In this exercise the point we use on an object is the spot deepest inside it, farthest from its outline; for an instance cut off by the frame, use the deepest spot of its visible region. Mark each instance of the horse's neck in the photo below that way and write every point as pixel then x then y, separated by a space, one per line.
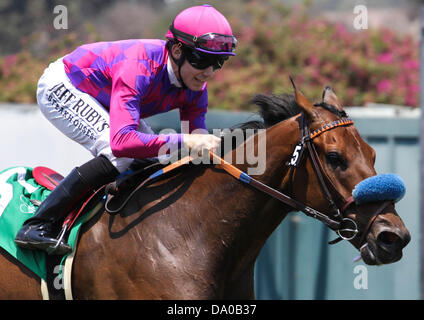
pixel 204 213
pixel 279 141
pixel 254 214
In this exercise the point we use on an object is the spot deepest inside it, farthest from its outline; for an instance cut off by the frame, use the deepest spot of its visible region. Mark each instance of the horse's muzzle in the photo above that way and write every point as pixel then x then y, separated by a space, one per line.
pixel 384 246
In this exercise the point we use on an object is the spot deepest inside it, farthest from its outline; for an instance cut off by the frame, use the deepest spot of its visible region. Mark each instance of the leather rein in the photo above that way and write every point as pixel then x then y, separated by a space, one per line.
pixel 346 228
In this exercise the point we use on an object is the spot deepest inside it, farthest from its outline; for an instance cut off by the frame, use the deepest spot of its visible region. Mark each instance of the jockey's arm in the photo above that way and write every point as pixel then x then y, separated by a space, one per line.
pixel 126 141
pixel 193 126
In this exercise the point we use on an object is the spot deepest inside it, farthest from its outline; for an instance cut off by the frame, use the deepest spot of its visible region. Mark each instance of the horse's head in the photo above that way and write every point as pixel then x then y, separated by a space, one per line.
pixel 365 199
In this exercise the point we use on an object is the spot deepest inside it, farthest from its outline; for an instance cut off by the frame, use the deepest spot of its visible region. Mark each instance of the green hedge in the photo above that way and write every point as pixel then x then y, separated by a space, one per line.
pixel 274 42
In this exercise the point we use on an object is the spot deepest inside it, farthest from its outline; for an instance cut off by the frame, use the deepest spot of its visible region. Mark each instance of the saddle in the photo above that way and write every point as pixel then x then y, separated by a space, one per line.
pixel 87 208
pixel 139 169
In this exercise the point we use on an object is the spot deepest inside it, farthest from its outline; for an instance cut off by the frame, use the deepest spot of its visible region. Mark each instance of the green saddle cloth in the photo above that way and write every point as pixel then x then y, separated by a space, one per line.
pixel 17 188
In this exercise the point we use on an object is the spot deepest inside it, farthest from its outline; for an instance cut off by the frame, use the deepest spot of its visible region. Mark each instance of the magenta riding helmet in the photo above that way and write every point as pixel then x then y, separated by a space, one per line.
pixel 204 29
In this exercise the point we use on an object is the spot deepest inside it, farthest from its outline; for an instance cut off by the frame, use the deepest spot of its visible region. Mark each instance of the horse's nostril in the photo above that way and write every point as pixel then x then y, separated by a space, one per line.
pixel 388 238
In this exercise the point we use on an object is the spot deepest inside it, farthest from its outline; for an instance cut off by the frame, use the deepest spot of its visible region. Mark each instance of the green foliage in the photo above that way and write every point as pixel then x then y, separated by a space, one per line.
pixel 20 72
pixel 274 42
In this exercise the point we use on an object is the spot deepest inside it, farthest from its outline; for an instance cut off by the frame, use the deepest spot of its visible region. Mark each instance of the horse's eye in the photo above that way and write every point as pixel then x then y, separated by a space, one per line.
pixel 335 160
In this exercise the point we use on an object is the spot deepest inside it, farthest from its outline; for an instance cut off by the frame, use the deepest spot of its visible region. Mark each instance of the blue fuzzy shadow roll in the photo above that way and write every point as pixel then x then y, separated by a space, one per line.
pixel 379 188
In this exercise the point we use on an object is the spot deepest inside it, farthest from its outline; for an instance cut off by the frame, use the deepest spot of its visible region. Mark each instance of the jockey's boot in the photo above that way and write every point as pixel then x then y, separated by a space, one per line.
pixel 39 231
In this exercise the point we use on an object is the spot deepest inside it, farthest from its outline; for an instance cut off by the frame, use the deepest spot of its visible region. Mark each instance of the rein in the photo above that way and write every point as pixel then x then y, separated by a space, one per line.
pixel 339 223
pixel 239 175
pixel 338 204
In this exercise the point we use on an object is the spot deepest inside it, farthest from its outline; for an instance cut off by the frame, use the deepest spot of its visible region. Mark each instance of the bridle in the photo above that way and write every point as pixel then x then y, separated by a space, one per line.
pixel 338 204
pixel 346 228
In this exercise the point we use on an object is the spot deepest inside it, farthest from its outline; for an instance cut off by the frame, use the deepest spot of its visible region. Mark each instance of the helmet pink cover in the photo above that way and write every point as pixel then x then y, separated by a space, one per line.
pixel 200 20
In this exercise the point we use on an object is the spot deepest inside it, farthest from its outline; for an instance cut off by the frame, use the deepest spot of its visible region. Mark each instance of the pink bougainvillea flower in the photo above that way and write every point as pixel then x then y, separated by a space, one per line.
pixel 385 58
pixel 384 86
pixel 411 64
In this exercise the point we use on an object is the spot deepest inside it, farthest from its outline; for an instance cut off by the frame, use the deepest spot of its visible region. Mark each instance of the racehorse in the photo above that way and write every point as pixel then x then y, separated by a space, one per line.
pixel 196 233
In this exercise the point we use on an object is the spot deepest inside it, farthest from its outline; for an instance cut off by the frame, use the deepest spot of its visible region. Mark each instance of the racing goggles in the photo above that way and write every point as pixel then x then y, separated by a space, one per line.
pixel 213 43
pixel 202 61
pixel 216 42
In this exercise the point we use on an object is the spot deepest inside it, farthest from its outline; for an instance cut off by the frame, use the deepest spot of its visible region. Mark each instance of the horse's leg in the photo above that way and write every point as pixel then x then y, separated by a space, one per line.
pixel 17 281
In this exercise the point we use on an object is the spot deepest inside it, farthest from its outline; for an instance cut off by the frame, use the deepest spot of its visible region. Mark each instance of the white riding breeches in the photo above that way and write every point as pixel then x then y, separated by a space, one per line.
pixel 78 115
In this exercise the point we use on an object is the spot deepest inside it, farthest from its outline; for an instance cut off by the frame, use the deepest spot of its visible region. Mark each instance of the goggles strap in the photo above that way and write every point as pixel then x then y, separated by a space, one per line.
pixel 181 78
pixel 193 40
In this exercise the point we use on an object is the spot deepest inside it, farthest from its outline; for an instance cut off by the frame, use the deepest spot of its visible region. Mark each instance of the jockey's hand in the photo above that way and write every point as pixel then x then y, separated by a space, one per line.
pixel 200 142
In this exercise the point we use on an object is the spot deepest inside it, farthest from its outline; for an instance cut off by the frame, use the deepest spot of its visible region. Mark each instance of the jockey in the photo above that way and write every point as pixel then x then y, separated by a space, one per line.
pixel 99 94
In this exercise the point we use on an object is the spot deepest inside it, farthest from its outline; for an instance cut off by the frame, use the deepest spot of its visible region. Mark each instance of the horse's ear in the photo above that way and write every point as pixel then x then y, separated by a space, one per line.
pixel 328 96
pixel 304 103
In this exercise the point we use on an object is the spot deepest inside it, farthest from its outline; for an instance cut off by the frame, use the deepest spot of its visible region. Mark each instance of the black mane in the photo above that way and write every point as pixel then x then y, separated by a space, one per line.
pixel 272 109
pixel 276 108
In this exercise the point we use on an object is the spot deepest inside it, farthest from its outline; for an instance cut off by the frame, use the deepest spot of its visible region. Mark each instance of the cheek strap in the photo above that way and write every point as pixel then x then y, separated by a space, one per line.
pixel 381 187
